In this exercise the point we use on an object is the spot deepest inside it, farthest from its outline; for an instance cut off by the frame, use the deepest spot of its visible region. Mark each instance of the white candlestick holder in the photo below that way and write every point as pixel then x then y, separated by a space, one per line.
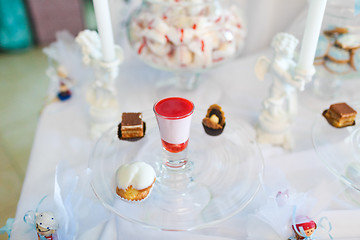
pixel 102 94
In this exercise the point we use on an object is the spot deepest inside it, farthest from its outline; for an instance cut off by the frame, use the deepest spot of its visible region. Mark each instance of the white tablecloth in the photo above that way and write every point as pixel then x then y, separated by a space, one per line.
pixel 63 136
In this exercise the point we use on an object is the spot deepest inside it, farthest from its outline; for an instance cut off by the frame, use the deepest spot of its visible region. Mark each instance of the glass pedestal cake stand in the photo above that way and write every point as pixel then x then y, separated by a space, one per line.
pixel 339 148
pixel 224 176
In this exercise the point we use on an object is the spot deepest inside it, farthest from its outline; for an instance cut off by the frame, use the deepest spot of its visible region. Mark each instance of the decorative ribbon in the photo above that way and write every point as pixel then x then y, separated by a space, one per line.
pixel 357 7
pixel 30 217
pixel 8 227
pixel 328 230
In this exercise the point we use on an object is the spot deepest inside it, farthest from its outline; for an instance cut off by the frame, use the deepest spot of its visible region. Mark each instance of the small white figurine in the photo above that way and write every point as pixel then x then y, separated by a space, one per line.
pixel 102 95
pixel 281 105
pixel 46 226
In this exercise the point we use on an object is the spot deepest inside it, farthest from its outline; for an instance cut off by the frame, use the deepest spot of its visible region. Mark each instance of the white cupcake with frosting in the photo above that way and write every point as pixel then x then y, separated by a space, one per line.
pixel 134 181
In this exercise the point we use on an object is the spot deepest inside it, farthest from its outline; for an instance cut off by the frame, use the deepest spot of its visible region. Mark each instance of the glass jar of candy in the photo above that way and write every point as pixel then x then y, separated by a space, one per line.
pixel 338 52
pixel 186 36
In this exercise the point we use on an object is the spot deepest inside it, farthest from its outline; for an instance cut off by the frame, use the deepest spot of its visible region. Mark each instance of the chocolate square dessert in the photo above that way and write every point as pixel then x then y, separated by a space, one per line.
pixel 340 115
pixel 131 126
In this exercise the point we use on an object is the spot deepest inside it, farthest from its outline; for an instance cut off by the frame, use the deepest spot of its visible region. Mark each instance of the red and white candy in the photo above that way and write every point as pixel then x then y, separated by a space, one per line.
pixel 187 36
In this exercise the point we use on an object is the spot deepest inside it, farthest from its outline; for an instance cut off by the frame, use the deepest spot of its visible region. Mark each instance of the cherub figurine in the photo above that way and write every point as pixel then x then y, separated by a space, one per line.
pixel 304 230
pixel 281 105
pixel 46 226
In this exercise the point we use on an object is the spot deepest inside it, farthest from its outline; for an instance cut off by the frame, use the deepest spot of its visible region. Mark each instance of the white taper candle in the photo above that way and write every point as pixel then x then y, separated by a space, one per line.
pixel 311 35
pixel 103 20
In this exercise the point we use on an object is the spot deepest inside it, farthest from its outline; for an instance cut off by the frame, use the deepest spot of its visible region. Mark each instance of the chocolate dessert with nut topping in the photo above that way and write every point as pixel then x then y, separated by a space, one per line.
pixel 214 122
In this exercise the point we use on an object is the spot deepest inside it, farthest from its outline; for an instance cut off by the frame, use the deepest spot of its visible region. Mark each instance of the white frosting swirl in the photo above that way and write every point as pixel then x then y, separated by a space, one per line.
pixel 138 174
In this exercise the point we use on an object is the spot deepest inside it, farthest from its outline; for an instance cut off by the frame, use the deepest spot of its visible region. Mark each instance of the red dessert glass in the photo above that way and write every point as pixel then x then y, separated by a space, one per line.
pixel 173 115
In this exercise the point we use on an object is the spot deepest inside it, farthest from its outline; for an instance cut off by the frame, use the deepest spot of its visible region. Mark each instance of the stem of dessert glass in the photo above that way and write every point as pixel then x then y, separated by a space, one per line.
pixel 187 80
pixel 175 160
pixel 176 171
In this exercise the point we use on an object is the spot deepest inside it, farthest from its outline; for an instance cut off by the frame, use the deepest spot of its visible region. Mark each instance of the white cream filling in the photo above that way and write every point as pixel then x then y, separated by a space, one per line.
pixel 138 174
pixel 131 127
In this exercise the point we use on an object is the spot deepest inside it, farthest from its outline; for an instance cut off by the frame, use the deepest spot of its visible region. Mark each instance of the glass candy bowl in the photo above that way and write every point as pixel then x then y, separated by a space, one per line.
pixel 338 52
pixel 225 172
pixel 186 36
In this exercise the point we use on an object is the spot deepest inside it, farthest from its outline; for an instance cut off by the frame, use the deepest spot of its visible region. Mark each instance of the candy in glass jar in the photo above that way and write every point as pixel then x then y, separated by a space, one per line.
pixel 186 35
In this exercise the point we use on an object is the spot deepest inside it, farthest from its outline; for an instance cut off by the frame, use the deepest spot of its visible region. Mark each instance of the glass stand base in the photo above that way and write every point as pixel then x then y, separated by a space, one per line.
pixel 220 177
pixel 178 191
pixel 339 148
pixel 353 195
pixel 193 201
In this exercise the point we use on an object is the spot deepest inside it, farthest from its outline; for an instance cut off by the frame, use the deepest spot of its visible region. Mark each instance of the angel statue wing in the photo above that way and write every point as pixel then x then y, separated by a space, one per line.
pixel 90 45
pixel 262 66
